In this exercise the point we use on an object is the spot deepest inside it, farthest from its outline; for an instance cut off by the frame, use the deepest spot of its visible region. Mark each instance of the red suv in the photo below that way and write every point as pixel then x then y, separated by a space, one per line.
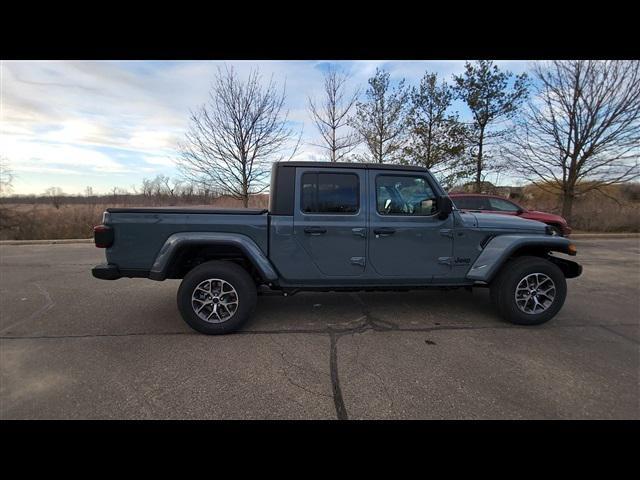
pixel 478 203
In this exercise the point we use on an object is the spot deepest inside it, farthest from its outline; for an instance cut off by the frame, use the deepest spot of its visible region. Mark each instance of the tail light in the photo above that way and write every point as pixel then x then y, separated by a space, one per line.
pixel 103 236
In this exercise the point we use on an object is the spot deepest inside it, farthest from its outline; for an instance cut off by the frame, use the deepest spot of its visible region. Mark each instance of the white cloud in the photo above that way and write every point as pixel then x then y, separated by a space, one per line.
pixel 34 156
pixel 121 120
pixel 157 160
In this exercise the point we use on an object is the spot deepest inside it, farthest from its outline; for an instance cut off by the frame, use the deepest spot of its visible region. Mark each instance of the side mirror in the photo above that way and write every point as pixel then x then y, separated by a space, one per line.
pixel 520 211
pixel 445 206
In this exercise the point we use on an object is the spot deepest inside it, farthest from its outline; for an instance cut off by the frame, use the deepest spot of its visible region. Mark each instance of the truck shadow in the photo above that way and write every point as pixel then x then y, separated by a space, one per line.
pixel 338 311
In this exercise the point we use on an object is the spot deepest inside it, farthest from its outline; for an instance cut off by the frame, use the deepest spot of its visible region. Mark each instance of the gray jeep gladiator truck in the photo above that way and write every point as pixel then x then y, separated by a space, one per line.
pixel 337 227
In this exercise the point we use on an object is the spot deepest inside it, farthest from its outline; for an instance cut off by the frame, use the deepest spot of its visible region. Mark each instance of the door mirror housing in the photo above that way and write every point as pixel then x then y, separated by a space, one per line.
pixel 445 206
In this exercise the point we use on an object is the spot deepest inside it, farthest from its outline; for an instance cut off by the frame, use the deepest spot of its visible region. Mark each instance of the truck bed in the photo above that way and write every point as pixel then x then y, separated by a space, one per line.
pixel 140 232
pixel 193 209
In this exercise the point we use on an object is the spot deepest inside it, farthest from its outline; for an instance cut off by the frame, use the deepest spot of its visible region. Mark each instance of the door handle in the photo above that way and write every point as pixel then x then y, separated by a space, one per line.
pixel 315 230
pixel 384 231
pixel 357 261
pixel 359 232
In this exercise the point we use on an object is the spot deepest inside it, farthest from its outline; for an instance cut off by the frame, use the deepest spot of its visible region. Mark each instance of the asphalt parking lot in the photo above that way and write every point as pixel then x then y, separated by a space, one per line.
pixel 75 347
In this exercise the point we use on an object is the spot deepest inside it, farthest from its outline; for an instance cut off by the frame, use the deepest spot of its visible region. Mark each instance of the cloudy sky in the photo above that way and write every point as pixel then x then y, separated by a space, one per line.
pixel 74 124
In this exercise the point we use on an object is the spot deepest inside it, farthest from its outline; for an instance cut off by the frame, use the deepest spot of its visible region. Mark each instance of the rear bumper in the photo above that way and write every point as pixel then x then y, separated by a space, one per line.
pixel 106 271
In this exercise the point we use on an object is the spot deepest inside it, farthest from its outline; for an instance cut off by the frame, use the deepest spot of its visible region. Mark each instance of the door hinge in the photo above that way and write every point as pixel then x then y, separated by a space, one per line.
pixel 358 261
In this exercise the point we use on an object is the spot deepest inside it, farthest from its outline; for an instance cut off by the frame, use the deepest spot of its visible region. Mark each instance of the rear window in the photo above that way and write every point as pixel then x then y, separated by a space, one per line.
pixel 335 193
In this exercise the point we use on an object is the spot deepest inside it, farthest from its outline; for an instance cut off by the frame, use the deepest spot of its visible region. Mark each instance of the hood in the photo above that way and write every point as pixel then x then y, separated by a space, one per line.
pixel 491 221
pixel 544 216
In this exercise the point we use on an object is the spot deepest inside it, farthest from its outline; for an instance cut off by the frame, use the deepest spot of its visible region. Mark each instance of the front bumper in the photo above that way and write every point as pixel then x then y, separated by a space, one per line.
pixel 106 271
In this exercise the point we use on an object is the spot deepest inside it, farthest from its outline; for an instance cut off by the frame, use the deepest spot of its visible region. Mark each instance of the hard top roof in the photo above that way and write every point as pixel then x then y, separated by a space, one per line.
pixel 469 194
pixel 376 166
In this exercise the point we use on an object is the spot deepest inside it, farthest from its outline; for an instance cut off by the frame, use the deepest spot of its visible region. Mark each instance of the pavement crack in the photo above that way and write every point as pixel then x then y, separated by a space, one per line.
pixel 341 410
pixel 374 375
pixel 626 337
pixel 49 304
pixel 93 335
pixel 297 385
pixel 299 367
pixel 319 331
pixel 294 365
pixel 371 322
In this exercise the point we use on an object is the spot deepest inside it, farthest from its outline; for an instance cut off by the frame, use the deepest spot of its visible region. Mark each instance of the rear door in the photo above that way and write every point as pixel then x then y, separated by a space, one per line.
pixel 330 220
pixel 406 237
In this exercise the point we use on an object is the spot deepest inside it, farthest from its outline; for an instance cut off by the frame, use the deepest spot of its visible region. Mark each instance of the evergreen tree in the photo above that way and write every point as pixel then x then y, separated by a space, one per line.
pixel 486 91
pixel 437 139
pixel 381 119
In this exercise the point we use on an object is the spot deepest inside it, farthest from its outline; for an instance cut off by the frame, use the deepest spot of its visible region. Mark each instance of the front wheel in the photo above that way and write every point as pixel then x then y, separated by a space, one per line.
pixel 529 291
pixel 217 297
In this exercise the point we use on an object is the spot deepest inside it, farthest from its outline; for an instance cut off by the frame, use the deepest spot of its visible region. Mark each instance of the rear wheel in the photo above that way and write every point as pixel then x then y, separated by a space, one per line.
pixel 217 297
pixel 529 291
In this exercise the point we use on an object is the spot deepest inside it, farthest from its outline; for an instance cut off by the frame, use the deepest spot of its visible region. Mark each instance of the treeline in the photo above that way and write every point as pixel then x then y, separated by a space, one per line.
pixel 617 211
pixel 569 127
pixel 160 190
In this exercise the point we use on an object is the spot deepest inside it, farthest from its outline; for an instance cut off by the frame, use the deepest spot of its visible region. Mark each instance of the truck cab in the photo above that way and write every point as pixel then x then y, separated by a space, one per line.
pixel 354 224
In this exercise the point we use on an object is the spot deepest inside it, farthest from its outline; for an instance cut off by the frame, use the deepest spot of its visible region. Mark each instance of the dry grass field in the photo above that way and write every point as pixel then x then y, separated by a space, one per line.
pixel 42 221
pixel 594 212
pixel 616 209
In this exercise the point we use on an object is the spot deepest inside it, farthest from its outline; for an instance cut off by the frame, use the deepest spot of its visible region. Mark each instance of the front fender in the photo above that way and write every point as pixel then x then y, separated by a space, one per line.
pixel 502 247
pixel 244 243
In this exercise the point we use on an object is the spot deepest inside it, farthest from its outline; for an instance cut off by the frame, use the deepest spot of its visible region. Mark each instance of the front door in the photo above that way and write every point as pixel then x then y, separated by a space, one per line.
pixel 330 221
pixel 406 237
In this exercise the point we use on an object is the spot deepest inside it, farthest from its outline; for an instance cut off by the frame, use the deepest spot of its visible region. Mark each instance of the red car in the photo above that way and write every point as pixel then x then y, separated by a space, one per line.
pixel 478 203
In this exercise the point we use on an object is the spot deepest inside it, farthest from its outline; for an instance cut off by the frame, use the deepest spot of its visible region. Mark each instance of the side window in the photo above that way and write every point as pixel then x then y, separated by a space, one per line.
pixel 465 203
pixel 404 195
pixel 471 203
pixel 501 205
pixel 330 193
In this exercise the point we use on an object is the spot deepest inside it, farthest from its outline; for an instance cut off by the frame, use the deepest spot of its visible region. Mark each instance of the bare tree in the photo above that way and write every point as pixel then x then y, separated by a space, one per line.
pixel 55 195
pixel 232 139
pixel 581 132
pixel 8 218
pixel 381 119
pixel 147 189
pixel 6 176
pixel 486 91
pixel 331 116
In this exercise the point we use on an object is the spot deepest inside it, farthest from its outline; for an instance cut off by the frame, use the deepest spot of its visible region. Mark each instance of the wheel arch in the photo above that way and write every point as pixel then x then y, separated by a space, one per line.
pixel 183 251
pixel 502 248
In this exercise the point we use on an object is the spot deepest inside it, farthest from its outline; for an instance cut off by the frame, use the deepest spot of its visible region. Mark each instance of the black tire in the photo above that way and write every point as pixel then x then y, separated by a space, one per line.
pixel 495 289
pixel 237 278
pixel 503 289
